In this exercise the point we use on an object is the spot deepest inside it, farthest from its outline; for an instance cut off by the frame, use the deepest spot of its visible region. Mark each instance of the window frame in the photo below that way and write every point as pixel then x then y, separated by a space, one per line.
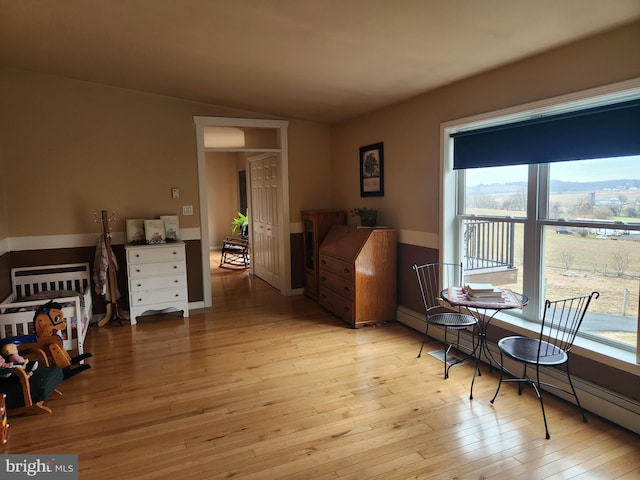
pixel 453 194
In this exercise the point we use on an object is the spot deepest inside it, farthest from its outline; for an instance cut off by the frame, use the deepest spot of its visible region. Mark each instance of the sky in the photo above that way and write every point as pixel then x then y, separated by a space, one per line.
pixel 586 171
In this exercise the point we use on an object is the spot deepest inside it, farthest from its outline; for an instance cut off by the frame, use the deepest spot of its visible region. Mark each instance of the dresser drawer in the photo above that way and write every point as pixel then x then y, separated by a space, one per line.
pixel 337 284
pixel 155 283
pixel 336 304
pixel 336 266
pixel 161 268
pixel 158 296
pixel 155 254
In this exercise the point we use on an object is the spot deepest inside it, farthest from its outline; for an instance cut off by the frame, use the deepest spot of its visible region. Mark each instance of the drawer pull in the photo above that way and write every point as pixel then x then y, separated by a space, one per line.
pixel 347 289
pixel 175 266
pixel 137 270
pixel 323 278
pixel 139 285
pixel 175 253
pixel 346 270
pixel 175 281
pixel 346 309
pixel 323 262
pixel 137 255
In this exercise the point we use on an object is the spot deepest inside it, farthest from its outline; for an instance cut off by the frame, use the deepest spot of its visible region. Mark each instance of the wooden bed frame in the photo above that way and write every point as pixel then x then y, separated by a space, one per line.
pixel 56 282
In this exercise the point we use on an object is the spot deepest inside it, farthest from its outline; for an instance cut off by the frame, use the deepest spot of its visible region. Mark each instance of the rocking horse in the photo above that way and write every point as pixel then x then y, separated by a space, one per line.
pixel 47 320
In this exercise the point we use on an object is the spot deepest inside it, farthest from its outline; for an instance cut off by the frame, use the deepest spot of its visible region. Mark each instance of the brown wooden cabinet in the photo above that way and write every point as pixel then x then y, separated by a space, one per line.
pixel 357 274
pixel 316 225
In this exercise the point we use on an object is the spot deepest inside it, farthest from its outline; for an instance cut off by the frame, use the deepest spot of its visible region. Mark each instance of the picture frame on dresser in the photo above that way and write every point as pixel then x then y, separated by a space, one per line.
pixel 372 170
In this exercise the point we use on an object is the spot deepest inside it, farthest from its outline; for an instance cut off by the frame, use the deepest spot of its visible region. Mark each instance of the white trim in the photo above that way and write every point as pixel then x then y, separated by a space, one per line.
pixel 48 242
pixel 200 123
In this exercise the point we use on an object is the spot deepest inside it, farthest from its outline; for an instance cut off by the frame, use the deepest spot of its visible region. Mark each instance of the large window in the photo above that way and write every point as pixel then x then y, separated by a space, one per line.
pixel 551 229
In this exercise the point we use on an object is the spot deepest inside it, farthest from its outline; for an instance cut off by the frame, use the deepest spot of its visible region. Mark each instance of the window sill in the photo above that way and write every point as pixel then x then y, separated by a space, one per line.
pixel 599 352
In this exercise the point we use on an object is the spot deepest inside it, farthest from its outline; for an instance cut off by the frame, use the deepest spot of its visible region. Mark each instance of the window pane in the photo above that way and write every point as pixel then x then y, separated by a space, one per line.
pixel 493 253
pixel 578 261
pixel 605 189
pixel 496 191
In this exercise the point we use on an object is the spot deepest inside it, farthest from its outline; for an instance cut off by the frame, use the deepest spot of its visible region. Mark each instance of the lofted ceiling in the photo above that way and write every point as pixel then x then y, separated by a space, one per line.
pixel 320 60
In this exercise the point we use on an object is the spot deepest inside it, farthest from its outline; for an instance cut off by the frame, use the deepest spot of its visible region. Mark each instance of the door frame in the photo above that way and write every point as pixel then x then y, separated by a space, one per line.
pixel 285 249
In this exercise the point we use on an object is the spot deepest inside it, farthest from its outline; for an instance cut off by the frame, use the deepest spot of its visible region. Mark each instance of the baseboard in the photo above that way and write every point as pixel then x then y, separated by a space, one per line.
pixel 614 407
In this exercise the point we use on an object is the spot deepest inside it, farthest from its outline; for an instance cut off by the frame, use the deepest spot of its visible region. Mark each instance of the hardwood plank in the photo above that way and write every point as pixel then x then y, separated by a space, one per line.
pixel 262 386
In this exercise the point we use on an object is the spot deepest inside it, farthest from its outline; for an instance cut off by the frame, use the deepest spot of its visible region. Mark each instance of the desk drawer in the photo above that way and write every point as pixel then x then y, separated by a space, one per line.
pixel 336 266
pixel 339 285
pixel 336 304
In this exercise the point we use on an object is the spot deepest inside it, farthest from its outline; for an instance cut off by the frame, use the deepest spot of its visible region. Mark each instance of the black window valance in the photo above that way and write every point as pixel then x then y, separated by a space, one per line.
pixel 599 132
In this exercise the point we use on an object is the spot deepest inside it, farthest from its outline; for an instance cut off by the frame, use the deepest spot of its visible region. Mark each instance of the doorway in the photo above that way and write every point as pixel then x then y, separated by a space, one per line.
pixel 282 252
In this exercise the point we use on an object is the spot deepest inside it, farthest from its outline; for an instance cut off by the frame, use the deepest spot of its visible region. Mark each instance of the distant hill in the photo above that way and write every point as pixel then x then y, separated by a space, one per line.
pixel 560 186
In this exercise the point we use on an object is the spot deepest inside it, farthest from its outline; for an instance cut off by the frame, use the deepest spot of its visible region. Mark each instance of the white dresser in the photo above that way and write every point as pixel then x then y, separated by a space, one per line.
pixel 157 278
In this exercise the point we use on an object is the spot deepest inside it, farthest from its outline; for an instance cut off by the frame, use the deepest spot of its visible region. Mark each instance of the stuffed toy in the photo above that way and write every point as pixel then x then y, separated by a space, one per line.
pixel 10 354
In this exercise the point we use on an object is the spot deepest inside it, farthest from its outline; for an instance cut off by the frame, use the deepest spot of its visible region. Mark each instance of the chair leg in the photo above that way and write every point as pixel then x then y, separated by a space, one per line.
pixel 424 339
pixel 538 390
pixel 499 381
pixel 575 394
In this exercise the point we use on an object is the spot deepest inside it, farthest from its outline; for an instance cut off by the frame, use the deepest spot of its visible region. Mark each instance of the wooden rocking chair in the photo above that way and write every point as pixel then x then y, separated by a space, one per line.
pixel 26 394
pixel 235 251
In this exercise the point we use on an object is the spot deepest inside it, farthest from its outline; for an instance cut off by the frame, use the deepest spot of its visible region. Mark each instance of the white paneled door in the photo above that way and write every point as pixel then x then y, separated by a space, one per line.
pixel 265 216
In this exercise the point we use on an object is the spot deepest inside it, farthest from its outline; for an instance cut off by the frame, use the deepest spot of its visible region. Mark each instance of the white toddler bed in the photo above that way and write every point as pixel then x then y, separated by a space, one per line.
pixel 68 285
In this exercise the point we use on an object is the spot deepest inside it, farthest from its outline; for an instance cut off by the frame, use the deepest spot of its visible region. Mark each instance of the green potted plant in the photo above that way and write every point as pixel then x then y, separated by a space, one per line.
pixel 240 224
pixel 367 216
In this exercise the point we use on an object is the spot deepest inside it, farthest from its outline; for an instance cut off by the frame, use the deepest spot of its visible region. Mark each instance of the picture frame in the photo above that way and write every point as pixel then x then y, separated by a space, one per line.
pixel 154 231
pixel 171 227
pixel 135 231
pixel 372 170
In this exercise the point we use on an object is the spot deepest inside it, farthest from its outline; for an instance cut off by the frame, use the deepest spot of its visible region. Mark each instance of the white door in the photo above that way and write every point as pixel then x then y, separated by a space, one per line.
pixel 265 216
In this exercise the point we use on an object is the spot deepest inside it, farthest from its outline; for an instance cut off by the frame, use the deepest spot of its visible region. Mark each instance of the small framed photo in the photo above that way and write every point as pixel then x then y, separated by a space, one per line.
pixel 171 227
pixel 135 231
pixel 154 231
pixel 372 170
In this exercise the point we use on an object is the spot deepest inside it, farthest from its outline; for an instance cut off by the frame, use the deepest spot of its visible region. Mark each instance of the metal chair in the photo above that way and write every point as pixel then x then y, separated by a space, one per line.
pixel 429 276
pixel 560 323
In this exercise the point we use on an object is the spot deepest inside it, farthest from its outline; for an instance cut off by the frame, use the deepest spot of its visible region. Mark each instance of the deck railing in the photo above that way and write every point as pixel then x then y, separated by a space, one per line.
pixel 488 244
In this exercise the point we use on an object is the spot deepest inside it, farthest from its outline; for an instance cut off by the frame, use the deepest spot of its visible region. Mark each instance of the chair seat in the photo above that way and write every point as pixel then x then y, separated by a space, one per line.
pixel 452 320
pixel 43 382
pixel 525 349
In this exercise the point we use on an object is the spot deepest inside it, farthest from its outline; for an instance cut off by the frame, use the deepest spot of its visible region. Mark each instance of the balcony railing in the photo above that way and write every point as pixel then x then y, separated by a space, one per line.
pixel 488 244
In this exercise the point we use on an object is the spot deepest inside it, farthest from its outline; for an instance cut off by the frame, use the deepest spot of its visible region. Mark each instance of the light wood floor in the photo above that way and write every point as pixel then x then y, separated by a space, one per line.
pixel 268 387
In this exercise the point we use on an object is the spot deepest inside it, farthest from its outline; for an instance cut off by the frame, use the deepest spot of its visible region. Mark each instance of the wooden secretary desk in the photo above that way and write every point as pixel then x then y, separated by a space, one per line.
pixel 357 274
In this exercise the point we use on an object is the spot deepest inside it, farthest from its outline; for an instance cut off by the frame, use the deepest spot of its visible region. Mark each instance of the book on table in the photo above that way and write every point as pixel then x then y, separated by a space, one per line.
pixel 484 291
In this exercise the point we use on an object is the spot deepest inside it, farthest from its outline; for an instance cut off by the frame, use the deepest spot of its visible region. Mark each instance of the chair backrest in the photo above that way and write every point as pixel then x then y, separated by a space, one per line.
pixel 561 321
pixel 433 278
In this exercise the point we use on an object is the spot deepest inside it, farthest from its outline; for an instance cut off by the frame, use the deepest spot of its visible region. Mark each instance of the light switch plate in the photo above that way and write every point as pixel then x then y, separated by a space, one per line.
pixel 187 210
pixel 175 193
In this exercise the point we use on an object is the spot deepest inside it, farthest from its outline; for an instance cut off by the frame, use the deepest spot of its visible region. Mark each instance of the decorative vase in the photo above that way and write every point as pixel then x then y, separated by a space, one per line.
pixel 368 218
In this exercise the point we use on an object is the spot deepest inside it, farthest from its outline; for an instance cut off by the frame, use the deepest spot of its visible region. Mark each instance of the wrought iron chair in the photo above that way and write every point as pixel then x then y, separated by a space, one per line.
pixel 429 276
pixel 560 323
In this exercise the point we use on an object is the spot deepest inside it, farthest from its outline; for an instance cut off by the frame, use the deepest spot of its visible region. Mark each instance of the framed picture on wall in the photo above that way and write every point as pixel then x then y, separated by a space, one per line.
pixel 372 170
